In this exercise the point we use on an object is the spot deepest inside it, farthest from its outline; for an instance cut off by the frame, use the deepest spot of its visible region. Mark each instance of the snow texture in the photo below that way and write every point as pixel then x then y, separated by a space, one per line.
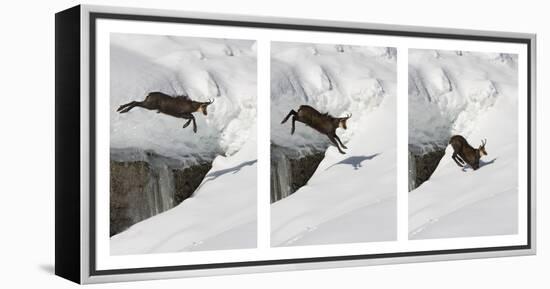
pixel 221 213
pixel 474 95
pixel 202 68
pixel 332 78
pixel 352 197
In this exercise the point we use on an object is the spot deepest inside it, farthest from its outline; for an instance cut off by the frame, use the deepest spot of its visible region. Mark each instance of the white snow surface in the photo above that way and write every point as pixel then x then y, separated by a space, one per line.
pixel 202 68
pixel 221 213
pixel 475 95
pixel 351 81
pixel 449 92
pixel 350 198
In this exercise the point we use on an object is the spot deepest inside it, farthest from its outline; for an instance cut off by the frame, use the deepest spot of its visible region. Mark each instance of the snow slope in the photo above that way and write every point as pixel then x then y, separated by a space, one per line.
pixel 219 69
pixel 349 198
pixel 221 213
pixel 475 95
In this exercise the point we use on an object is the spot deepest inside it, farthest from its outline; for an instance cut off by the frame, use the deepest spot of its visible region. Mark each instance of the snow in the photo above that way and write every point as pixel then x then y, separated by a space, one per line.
pixel 221 213
pixel 474 95
pixel 219 69
pixel 448 93
pixel 349 198
pixel 329 80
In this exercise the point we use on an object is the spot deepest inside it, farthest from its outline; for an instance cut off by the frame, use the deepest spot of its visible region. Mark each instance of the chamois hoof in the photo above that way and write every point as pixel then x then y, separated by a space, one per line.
pixel 344 147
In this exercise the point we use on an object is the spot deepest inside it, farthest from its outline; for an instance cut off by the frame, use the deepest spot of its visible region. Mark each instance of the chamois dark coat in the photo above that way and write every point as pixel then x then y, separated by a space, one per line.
pixel 464 153
pixel 178 106
pixel 321 122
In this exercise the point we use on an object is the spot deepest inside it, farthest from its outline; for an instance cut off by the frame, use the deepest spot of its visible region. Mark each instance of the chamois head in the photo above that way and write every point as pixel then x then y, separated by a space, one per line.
pixel 482 151
pixel 203 106
pixel 342 121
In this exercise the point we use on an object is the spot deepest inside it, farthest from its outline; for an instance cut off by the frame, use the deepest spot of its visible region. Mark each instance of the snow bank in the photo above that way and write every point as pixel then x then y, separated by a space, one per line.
pixel 223 70
pixel 330 78
pixel 349 198
pixel 449 90
pixel 475 95
pixel 221 214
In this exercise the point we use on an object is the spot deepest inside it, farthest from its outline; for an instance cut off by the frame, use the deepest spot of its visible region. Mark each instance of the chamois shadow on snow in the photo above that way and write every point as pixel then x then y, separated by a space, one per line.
pixel 355 161
pixel 481 164
pixel 213 175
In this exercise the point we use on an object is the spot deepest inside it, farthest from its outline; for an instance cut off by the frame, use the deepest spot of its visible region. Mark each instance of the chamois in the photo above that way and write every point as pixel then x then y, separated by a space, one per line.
pixel 180 106
pixel 465 153
pixel 321 122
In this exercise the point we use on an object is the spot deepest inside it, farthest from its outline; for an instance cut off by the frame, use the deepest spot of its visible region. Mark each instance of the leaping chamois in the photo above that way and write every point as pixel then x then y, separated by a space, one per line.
pixel 180 106
pixel 465 153
pixel 321 122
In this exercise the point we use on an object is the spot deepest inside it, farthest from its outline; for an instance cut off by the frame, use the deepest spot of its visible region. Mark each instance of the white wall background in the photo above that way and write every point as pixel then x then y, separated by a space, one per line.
pixel 27 146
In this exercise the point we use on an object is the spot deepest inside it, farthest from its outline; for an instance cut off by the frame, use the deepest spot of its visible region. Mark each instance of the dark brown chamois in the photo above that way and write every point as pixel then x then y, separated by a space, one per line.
pixel 464 153
pixel 321 122
pixel 179 106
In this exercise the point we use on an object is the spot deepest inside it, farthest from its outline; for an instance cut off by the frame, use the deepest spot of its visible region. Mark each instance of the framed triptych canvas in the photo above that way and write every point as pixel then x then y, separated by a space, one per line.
pixel 200 144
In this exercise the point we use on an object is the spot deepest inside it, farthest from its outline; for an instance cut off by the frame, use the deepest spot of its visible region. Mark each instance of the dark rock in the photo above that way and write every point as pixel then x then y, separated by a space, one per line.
pixel 188 179
pixel 142 189
pixel 290 169
pixel 127 188
pixel 303 168
pixel 422 166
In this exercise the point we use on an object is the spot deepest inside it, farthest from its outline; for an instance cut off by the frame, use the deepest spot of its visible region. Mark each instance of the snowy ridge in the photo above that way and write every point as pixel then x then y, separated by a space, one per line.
pixel 475 95
pixel 213 218
pixel 356 190
pixel 223 70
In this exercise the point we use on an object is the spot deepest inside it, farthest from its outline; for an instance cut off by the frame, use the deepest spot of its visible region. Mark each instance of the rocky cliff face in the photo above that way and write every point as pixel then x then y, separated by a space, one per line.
pixel 140 189
pixel 422 165
pixel 291 169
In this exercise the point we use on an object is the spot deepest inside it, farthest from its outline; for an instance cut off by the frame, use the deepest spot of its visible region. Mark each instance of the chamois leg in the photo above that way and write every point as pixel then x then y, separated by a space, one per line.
pixel 293 125
pixel 341 144
pixel 123 106
pixel 460 159
pixel 475 166
pixel 336 144
pixel 187 123
pixel 292 112
pixel 190 118
pixel 127 107
pixel 194 125
pixel 455 158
